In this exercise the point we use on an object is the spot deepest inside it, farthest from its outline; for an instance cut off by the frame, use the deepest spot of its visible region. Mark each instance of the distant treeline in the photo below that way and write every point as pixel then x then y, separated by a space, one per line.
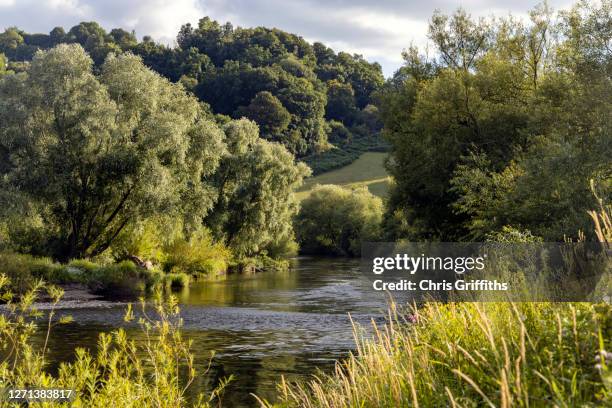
pixel 298 93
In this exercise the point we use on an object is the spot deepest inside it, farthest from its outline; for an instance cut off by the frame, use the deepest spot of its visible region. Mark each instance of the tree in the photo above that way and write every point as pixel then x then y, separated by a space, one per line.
pixel 227 67
pixel 339 134
pixel 94 40
pixel 459 39
pixel 10 39
pixel 335 220
pixel 340 102
pixel 268 112
pixel 57 35
pixel 123 39
pixel 103 151
pixel 255 187
pixel 507 130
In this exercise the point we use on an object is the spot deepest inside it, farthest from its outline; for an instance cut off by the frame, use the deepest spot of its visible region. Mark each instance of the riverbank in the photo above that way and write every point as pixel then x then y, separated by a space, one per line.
pixel 473 354
pixel 127 279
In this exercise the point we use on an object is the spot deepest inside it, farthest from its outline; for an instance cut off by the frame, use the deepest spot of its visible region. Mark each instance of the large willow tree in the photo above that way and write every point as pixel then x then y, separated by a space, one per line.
pixel 255 186
pixel 99 150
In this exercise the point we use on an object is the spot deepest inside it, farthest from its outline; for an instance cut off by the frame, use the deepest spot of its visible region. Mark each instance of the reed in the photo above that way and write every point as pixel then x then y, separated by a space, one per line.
pixel 155 371
pixel 468 355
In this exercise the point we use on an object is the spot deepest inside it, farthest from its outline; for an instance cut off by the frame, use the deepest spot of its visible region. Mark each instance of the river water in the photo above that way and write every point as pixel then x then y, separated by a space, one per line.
pixel 260 327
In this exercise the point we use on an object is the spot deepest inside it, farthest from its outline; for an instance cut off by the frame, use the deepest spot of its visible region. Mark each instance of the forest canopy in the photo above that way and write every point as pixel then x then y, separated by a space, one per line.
pixel 289 87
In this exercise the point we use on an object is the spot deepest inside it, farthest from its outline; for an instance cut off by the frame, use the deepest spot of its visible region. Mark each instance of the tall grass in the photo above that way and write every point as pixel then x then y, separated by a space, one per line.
pixel 154 372
pixel 536 354
pixel 469 355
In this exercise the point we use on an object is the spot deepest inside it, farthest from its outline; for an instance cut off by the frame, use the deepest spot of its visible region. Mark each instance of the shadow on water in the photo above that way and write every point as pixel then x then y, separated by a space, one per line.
pixel 261 327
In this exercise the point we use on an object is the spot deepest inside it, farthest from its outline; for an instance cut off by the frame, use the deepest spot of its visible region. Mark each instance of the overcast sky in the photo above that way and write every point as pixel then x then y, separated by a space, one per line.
pixel 378 29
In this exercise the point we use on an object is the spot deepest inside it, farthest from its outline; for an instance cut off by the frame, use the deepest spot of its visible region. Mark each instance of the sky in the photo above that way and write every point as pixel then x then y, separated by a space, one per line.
pixel 379 30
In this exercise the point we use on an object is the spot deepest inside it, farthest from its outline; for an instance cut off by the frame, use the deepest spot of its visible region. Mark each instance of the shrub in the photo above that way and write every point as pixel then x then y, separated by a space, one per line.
pixel 24 270
pixel 176 280
pixel 511 234
pixel 86 267
pixel 153 279
pixel 122 280
pixel 335 220
pixel 196 256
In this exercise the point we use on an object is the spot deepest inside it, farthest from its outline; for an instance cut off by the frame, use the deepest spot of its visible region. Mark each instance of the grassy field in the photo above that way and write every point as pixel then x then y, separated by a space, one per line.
pixel 368 170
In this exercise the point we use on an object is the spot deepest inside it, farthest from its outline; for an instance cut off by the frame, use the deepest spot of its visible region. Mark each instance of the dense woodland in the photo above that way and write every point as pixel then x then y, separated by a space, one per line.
pixel 135 154
pixel 298 93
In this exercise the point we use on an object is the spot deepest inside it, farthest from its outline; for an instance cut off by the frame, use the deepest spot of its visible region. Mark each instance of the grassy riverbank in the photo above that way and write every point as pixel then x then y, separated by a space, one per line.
pixel 126 278
pixel 473 354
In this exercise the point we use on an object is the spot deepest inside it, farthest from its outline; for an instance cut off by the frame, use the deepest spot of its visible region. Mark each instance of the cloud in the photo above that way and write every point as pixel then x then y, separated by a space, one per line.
pixel 377 29
pixel 159 18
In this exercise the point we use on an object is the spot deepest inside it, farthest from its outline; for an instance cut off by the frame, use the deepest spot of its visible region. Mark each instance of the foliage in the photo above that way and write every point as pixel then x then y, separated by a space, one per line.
pixel 118 280
pixel 340 102
pixel 118 156
pixel 22 222
pixel 523 354
pixel 176 280
pixel 101 151
pixel 336 220
pixel 148 240
pixel 23 270
pixel 229 67
pixel 3 64
pixel 506 128
pixel 268 112
pixel 156 371
pixel 510 234
pixel 255 184
pixel 197 256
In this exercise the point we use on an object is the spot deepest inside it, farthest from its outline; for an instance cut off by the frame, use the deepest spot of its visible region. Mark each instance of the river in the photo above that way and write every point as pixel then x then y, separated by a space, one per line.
pixel 261 327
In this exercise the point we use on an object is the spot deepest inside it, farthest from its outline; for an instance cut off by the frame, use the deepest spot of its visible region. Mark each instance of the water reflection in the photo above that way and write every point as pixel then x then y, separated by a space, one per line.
pixel 261 327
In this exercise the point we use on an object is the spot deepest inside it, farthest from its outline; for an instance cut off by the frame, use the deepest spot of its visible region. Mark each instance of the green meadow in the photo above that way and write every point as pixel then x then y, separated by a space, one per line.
pixel 367 171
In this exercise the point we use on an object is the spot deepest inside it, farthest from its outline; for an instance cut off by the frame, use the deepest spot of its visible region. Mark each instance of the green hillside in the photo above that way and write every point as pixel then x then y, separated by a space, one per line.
pixel 368 170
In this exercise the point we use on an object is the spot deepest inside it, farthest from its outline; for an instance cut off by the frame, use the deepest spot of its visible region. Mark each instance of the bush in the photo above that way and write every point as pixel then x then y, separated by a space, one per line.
pixel 176 280
pixel 153 279
pixel 511 234
pixel 24 270
pixel 474 354
pixel 339 134
pixel 197 256
pixel 122 280
pixel 335 220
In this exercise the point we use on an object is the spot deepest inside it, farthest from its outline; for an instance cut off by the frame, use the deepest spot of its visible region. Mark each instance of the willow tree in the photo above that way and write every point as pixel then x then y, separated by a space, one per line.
pixel 102 150
pixel 255 187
